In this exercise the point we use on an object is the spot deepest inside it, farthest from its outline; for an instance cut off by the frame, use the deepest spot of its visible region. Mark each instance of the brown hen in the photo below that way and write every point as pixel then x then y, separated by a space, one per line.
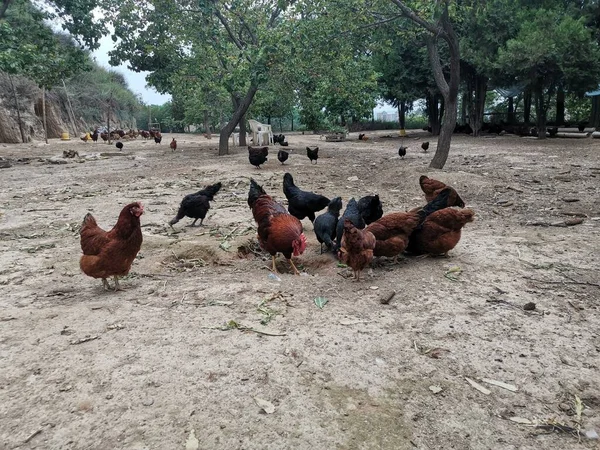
pixel 111 253
pixel 393 230
pixel 440 232
pixel 432 188
pixel 357 248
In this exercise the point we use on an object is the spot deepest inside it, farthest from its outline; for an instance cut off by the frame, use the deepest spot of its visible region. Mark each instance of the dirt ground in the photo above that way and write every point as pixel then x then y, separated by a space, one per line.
pixel 184 357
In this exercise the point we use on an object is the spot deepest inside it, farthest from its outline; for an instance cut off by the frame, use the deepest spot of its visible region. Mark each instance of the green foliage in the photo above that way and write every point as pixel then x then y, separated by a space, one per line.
pixel 552 47
pixel 29 47
pixel 92 92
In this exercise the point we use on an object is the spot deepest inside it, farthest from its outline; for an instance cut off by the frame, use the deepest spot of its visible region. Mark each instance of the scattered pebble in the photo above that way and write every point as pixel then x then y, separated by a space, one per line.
pixel 148 401
pixel 529 306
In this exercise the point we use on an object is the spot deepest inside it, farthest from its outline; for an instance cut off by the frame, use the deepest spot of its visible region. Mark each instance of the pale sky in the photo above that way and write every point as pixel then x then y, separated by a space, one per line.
pixel 135 80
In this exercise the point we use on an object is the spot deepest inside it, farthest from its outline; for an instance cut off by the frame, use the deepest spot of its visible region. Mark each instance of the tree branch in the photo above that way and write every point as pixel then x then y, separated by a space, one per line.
pixel 409 13
pixel 4 7
pixel 436 67
pixel 232 36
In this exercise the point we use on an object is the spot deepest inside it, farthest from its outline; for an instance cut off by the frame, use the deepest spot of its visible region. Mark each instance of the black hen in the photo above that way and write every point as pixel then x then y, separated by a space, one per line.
pixel 370 208
pixel 282 156
pixel 402 152
pixel 278 139
pixel 353 214
pixel 313 154
pixel 196 205
pixel 425 146
pixel 301 203
pixel 119 145
pixel 257 155
pixel 325 225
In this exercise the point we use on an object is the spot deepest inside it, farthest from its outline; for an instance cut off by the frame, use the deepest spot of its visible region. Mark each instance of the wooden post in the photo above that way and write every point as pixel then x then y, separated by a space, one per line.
pixel 149 116
pixel 44 113
pixel 17 107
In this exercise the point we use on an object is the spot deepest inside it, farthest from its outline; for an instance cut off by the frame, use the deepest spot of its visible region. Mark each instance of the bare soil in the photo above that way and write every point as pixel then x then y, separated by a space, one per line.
pixel 202 330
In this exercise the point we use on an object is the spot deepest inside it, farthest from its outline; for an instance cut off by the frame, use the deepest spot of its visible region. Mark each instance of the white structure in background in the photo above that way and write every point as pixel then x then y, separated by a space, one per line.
pixel 387 116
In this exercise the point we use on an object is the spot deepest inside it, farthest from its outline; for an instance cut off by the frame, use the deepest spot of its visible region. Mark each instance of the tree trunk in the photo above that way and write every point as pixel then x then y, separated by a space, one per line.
pixel 17 108
pixel 527 105
pixel 560 106
pixel 595 115
pixel 441 112
pixel 433 112
pixel 44 113
pixel 463 105
pixel 448 88
pixel 226 131
pixel 540 110
pixel 243 131
pixel 476 118
pixel 510 118
pixel 207 125
pixel 402 115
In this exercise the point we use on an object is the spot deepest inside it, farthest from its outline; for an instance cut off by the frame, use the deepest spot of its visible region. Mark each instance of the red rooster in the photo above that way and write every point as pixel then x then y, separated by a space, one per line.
pixel 278 231
pixel 111 253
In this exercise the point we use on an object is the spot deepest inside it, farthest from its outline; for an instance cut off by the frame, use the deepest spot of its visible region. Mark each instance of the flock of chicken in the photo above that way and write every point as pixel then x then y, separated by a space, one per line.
pixel 258 155
pixel 361 233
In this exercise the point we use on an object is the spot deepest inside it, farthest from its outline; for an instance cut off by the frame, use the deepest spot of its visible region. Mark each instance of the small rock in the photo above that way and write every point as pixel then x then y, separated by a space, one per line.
pixel 591 434
pixel 56 160
pixel 148 401
pixel 529 306
pixel 109 396
pixel 435 389
pixel 353 178
pixel 564 407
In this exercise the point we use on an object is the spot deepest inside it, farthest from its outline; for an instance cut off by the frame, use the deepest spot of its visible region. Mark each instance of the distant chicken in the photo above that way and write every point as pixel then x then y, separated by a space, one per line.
pixel 111 253
pixel 325 225
pixel 440 232
pixel 278 139
pixel 119 145
pixel 353 213
pixel 313 154
pixel 402 152
pixel 393 230
pixel 301 203
pixel 278 231
pixel 425 146
pixel 173 145
pixel 157 137
pixel 357 248
pixel 95 136
pixel 104 136
pixel 282 156
pixel 86 137
pixel 257 155
pixel 196 205
pixel 432 188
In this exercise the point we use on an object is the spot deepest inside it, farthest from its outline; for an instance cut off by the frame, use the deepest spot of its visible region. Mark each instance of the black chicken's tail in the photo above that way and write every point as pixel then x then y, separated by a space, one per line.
pixel 255 192
pixel 440 202
pixel 180 215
